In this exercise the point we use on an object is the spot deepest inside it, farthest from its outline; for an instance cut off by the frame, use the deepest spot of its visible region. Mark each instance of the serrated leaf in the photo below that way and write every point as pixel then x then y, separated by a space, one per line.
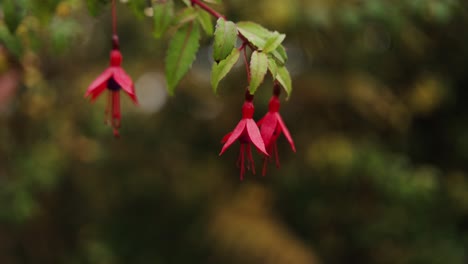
pixel 254 33
pixel 284 78
pixel 273 42
pixel 272 67
pixel 205 21
pixel 258 69
pixel 225 37
pixel 221 69
pixel 254 28
pixel 186 15
pixel 280 55
pixel 163 13
pixel 181 53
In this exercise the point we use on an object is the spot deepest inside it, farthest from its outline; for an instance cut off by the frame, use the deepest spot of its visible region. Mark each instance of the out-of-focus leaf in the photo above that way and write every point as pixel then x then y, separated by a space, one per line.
pixel 163 15
pixel 284 78
pixel 181 54
pixel 273 42
pixel 214 1
pixel 138 7
pixel 12 14
pixel 205 21
pixel 258 69
pixel 221 69
pixel 11 42
pixel 187 14
pixel 64 31
pixel 95 7
pixel 225 37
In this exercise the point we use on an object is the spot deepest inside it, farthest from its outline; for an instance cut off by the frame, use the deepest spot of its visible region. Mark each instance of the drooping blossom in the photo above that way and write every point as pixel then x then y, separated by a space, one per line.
pixel 114 79
pixel 271 127
pixel 246 132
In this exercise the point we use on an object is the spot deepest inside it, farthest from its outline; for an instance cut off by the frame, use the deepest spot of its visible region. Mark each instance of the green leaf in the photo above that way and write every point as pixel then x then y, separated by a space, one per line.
pixel 205 21
pixel 214 1
pixel 254 28
pixel 273 42
pixel 63 32
pixel 187 14
pixel 11 42
pixel 187 2
pixel 280 55
pixel 163 15
pixel 181 53
pixel 95 7
pixel 138 7
pixel 272 67
pixel 221 69
pixel 254 33
pixel 284 78
pixel 225 37
pixel 258 69
pixel 13 15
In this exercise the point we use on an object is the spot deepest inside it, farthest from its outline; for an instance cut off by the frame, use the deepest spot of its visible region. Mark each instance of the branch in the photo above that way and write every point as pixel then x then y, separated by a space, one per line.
pixel 207 8
pixel 212 12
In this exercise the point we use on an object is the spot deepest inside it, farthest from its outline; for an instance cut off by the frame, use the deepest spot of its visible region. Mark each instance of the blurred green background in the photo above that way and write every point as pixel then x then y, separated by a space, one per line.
pixel 378 114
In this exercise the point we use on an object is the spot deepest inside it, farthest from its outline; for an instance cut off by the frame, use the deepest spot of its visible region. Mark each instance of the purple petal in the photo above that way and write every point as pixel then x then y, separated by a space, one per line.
pixel 236 133
pixel 255 137
pixel 285 131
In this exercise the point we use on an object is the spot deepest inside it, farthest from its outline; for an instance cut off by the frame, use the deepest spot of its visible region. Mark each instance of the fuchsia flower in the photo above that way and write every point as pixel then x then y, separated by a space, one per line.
pixel 271 127
pixel 114 79
pixel 246 132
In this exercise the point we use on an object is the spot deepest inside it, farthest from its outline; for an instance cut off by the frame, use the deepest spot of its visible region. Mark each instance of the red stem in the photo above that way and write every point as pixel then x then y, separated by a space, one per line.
pixel 207 8
pixel 246 62
pixel 212 12
pixel 114 18
pixel 245 41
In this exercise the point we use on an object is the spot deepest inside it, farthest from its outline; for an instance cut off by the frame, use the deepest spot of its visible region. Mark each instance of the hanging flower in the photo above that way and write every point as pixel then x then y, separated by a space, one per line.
pixel 271 127
pixel 114 79
pixel 246 132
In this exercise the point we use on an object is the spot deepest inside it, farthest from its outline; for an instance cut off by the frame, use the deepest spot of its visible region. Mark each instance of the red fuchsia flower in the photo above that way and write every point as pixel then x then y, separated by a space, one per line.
pixel 114 79
pixel 271 127
pixel 246 132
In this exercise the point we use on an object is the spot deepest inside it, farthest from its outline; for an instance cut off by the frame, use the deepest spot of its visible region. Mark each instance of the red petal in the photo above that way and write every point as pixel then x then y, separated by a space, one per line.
pixel 285 131
pixel 99 84
pixel 260 122
pixel 236 133
pixel 268 128
pixel 225 138
pixel 125 81
pixel 255 137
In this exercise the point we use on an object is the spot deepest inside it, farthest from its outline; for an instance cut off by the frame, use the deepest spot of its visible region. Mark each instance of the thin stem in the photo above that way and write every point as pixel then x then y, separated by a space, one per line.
pixel 207 8
pixel 246 62
pixel 114 18
pixel 212 12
